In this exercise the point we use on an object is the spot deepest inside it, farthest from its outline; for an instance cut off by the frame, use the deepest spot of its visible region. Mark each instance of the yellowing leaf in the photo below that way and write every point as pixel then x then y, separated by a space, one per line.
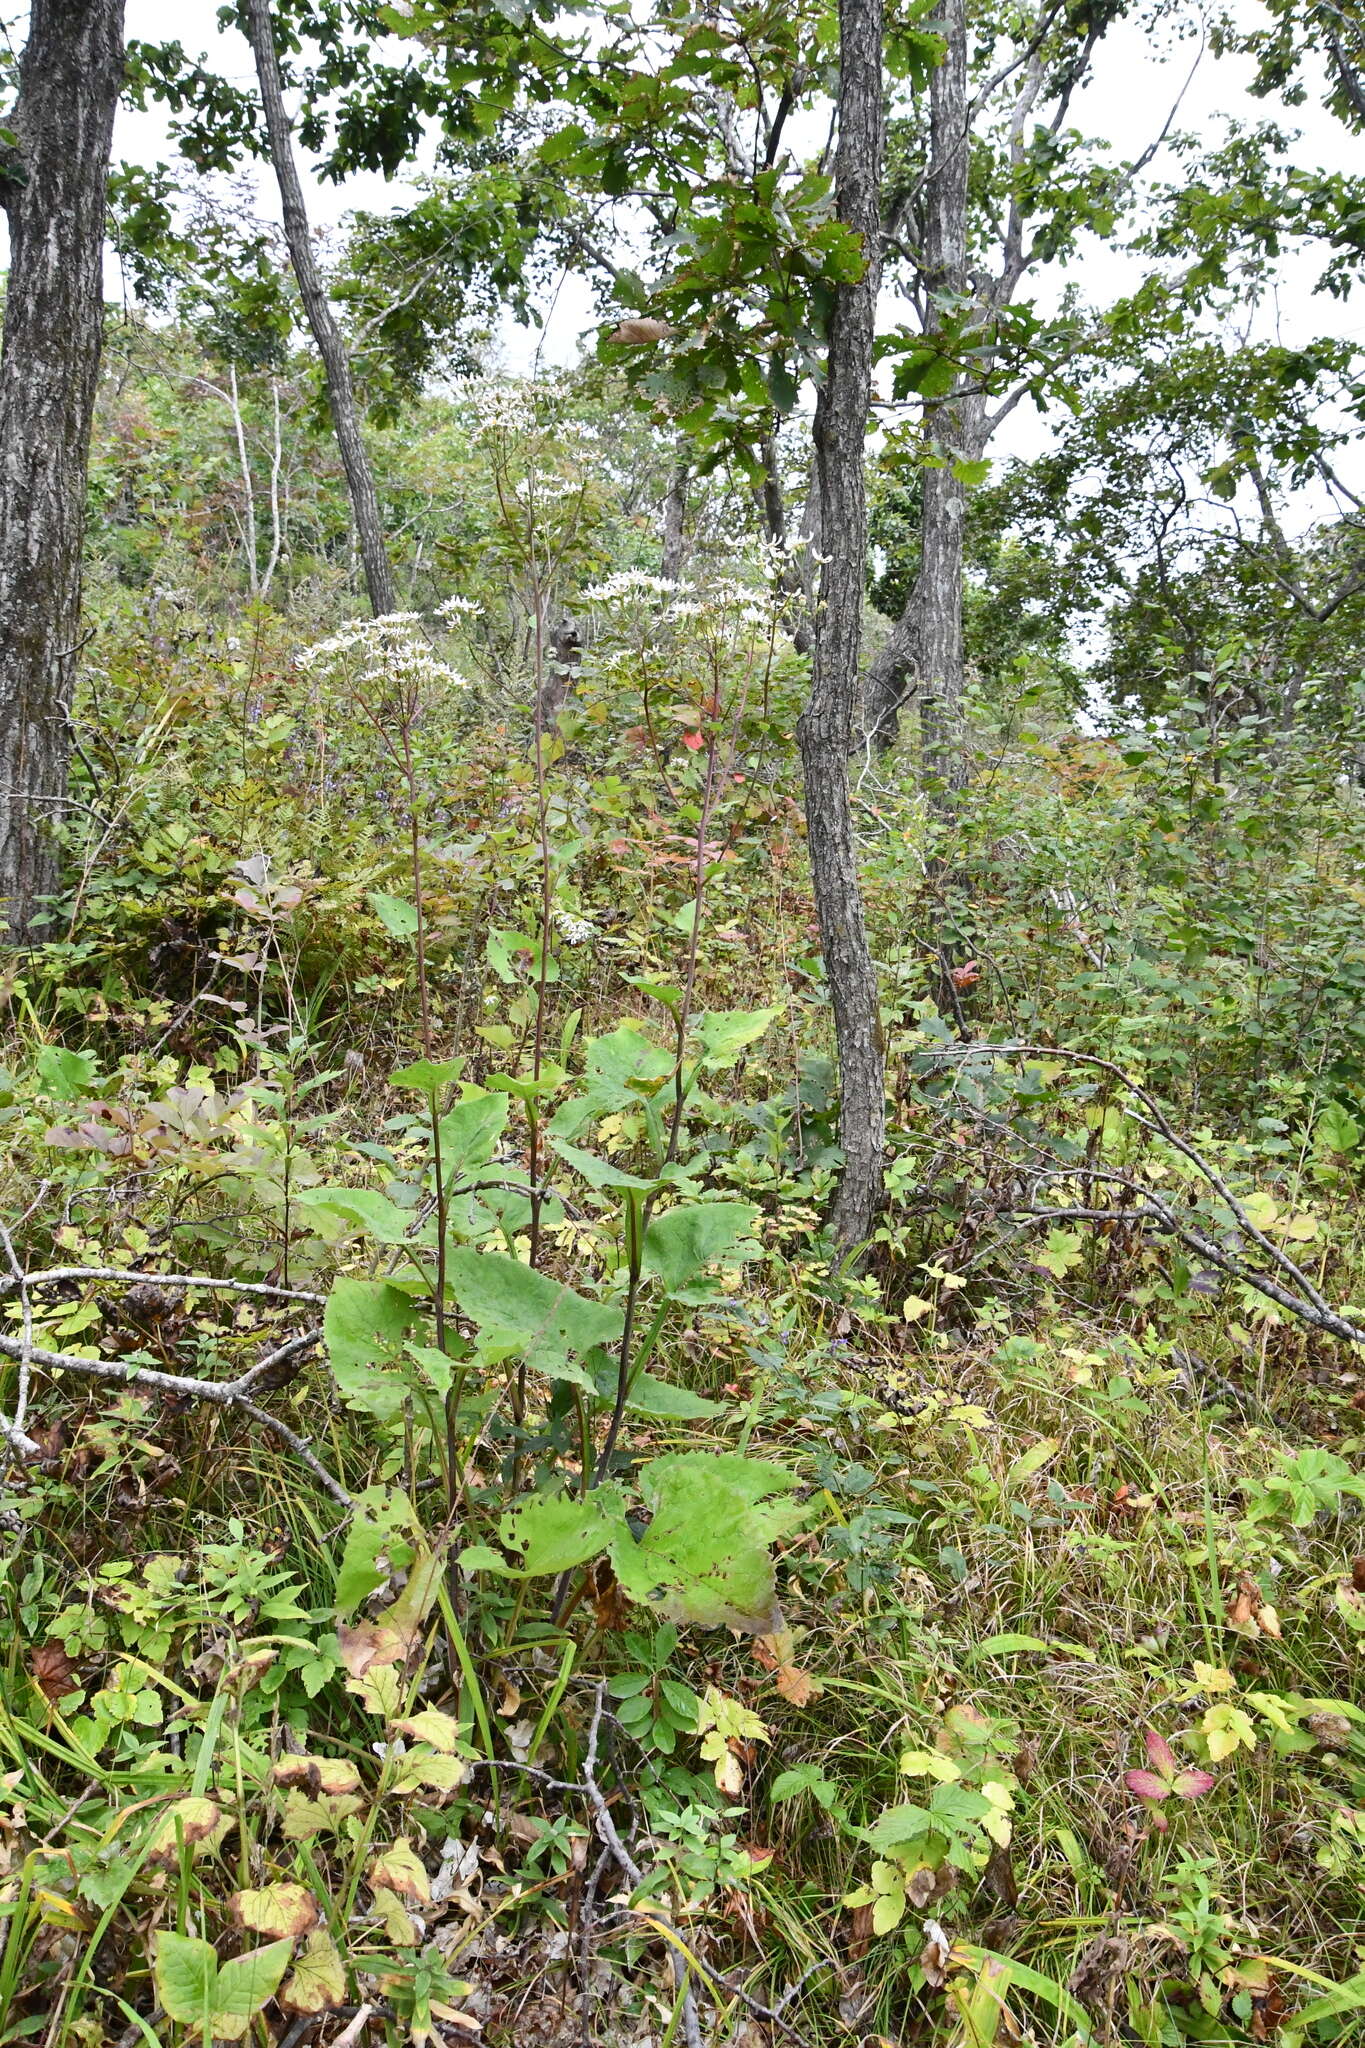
pixel 400 1869
pixel 394 1917
pixel 317 1775
pixel 1224 1729
pixel 442 1731
pixel 189 1820
pixel 304 1817
pixel 927 1763
pixel 318 1980
pixel 1213 1678
pixel 276 1909
pixel 1261 1209
pixel 914 1306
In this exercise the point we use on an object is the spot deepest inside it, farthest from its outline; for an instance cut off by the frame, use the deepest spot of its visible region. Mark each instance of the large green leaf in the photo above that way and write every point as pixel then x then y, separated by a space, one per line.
pixel 704 1557
pixel 723 1034
pixel 245 1985
pixel 680 1242
pixel 364 1325
pixel 470 1131
pixel 364 1209
pixel 551 1533
pixel 622 1070
pixel 549 1324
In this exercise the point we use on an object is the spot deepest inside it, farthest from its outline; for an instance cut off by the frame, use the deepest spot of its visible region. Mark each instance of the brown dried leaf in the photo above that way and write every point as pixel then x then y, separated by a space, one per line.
pixel 53 1671
pixel 636 332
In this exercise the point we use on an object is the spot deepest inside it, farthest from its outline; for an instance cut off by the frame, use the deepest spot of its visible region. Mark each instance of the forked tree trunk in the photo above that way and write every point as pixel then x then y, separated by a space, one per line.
pixel 53 189
pixel 923 655
pixel 326 334
pixel 825 728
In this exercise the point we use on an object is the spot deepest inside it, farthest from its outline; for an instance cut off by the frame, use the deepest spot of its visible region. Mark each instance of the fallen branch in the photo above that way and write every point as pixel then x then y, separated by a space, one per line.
pixel 1289 1287
pixel 233 1393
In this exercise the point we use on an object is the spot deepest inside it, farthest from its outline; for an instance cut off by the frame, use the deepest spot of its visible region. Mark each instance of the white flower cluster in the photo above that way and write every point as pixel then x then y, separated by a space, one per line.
pixel 575 931
pixel 459 608
pixel 389 651
pixel 628 584
pixel 502 407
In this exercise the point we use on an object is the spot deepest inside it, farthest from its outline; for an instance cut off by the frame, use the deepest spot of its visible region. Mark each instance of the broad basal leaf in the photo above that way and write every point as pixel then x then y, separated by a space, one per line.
pixel 364 1325
pixel 551 1326
pixel 551 1533
pixel 682 1241
pixel 704 1557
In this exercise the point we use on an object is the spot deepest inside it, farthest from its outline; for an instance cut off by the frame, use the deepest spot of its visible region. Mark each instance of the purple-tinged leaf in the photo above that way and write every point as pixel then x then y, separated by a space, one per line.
pixel 1192 1784
pixel 1146 1784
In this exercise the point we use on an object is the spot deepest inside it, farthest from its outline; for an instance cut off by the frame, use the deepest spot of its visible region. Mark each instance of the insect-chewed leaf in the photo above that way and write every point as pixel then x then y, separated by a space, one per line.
pixel 704 1557
pixel 442 1731
pixel 282 1909
pixel 318 1979
pixel 400 1869
pixel 190 1821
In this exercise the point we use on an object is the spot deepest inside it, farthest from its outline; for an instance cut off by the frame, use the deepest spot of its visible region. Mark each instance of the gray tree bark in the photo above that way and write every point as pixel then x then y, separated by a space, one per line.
pixel 825 728
pixel 52 186
pixel 674 521
pixel 326 334
pixel 923 656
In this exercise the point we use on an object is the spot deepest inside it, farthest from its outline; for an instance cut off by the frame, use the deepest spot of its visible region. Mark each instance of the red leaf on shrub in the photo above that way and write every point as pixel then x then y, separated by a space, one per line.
pixel 1146 1784
pixel 693 741
pixel 1192 1784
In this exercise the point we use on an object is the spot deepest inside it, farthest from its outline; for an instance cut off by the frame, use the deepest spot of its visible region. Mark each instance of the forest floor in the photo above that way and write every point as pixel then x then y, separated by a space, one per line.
pixel 958 1649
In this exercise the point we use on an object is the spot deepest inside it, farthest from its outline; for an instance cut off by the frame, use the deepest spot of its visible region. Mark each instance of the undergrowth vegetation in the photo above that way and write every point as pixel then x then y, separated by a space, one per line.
pixel 481 1569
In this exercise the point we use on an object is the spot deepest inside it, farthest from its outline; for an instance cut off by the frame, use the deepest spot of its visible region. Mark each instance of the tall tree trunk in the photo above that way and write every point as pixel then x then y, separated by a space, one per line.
pixel 674 521
pixel 327 335
pixel 925 647
pixel 825 728
pixel 53 190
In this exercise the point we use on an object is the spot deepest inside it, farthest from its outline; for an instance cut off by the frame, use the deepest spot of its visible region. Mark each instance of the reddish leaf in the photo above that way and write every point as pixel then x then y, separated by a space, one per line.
pixel 693 741
pixel 54 1673
pixel 1146 1784
pixel 1193 1784
pixel 1160 1755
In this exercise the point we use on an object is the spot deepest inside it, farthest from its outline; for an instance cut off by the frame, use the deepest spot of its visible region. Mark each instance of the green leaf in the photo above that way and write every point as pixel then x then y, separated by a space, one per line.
pixel 363 1208
pixel 1006 1646
pixel 551 1533
pixel 723 1034
pixel 600 1173
pixel 185 1972
pixel 470 1131
pixel 622 1070
pixel 364 1325
pixel 667 1403
pixel 704 1557
pixel 428 1076
pixel 546 1321
pixel 220 2000
pixel 246 1984
pixel 680 1242
pixel 394 914
pixel 377 1527
pixel 66 1075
